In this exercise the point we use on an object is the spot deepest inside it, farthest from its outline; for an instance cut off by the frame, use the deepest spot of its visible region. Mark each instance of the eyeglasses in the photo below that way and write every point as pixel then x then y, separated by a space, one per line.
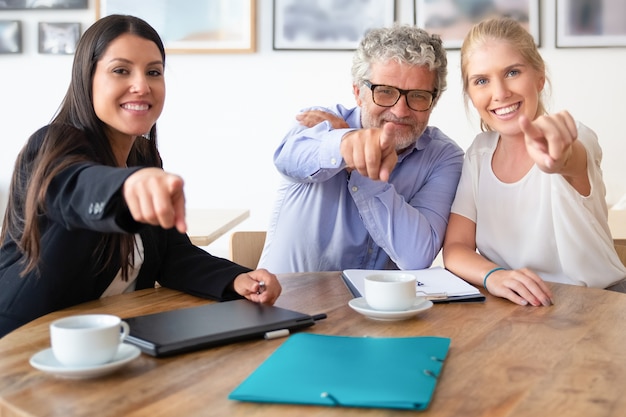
pixel 387 96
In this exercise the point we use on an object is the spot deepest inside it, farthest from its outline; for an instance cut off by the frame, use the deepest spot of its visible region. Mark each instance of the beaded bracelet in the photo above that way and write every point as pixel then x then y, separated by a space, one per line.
pixel 489 273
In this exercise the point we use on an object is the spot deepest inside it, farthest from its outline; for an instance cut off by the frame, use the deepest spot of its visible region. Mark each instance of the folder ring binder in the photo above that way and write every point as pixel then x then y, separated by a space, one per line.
pixel 430 373
pixel 330 397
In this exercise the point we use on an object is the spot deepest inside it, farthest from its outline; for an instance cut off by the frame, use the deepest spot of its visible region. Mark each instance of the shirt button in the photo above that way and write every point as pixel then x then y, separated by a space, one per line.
pixel 333 161
pixel 355 189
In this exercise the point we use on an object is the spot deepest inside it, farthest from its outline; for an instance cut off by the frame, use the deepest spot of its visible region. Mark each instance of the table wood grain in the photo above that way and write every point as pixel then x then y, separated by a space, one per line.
pixel 505 360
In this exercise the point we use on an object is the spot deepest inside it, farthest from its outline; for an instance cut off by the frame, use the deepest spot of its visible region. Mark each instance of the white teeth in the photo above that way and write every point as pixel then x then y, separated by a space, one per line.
pixel 135 106
pixel 506 110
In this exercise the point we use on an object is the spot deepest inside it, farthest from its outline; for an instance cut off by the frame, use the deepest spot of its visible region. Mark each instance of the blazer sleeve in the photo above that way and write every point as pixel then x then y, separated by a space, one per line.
pixel 89 196
pixel 174 262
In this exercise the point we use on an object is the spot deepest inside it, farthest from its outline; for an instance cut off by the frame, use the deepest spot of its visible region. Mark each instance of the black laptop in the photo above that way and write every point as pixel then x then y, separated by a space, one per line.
pixel 171 332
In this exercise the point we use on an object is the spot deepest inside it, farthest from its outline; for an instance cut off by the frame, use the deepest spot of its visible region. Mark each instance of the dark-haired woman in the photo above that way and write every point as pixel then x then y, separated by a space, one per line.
pixel 91 212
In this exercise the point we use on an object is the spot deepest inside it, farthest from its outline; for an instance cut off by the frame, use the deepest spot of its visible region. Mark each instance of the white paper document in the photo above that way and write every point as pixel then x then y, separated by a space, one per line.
pixel 436 284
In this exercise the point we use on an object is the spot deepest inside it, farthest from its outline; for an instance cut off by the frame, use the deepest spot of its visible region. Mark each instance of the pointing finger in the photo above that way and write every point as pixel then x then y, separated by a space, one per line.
pixel 389 155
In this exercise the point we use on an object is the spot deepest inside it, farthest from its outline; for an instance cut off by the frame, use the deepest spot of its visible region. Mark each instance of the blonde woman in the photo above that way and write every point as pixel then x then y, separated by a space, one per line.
pixel 530 206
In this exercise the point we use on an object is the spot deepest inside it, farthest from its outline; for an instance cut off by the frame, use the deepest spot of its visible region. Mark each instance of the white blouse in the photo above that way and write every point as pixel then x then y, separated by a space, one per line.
pixel 118 285
pixel 540 222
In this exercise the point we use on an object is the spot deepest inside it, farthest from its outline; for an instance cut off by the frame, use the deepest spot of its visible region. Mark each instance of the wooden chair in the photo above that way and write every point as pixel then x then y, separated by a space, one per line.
pixel 620 248
pixel 621 251
pixel 246 247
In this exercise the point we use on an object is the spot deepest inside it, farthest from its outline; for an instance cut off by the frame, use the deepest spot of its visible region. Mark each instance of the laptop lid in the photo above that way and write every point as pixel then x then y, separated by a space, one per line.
pixel 183 330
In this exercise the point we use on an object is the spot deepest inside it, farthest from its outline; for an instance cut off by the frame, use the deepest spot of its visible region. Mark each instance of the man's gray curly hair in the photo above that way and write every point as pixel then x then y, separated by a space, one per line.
pixel 405 44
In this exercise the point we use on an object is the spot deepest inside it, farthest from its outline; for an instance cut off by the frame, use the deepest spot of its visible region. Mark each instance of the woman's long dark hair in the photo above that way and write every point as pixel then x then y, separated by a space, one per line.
pixel 74 126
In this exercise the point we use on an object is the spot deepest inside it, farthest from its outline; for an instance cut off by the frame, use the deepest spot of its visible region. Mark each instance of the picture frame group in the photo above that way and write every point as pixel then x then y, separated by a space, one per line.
pixel 53 37
pixel 229 26
pixel 194 26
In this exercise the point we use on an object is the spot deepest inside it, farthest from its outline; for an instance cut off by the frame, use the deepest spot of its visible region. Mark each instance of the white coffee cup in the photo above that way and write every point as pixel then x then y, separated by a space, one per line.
pixel 87 339
pixel 390 291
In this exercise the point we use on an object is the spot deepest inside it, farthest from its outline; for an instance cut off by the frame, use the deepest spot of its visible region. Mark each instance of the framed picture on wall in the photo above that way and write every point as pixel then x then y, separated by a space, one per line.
pixel 452 19
pixel 193 26
pixel 327 24
pixel 10 37
pixel 589 23
pixel 58 38
pixel 42 4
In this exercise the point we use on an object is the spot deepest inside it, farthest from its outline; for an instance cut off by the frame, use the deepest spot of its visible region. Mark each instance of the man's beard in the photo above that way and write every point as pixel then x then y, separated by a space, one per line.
pixel 402 139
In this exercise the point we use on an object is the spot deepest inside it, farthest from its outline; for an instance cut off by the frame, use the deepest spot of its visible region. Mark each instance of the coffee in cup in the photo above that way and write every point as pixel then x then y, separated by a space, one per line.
pixel 88 339
pixel 390 291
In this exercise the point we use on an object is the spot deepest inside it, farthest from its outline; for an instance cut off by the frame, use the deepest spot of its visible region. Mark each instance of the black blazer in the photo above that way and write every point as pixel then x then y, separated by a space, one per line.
pixel 84 201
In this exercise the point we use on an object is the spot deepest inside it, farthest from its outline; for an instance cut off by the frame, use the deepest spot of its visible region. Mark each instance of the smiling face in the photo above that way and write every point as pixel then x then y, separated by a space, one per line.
pixel 129 88
pixel 408 124
pixel 502 86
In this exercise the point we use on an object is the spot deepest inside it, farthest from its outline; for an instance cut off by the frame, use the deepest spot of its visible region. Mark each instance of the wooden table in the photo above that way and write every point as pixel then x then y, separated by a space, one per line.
pixel 207 225
pixel 505 360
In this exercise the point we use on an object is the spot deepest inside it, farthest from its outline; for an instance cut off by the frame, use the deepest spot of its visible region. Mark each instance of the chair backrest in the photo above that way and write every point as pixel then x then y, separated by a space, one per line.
pixel 246 247
pixel 621 251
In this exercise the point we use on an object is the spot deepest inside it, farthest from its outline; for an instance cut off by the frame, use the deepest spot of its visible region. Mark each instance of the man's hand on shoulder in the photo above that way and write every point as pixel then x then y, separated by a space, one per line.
pixel 311 118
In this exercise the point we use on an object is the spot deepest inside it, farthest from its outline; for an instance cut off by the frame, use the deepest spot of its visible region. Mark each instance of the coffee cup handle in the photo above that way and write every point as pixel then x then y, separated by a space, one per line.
pixel 125 331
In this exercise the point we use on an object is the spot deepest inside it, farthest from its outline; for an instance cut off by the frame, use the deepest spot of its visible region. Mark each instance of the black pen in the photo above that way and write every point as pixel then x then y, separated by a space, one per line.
pixel 275 334
pixel 320 316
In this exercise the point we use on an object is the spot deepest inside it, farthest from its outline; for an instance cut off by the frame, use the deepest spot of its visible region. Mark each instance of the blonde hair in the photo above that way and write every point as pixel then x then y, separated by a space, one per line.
pixel 508 30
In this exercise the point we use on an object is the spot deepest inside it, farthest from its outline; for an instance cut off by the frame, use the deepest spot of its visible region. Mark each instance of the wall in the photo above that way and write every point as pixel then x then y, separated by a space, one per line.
pixel 225 113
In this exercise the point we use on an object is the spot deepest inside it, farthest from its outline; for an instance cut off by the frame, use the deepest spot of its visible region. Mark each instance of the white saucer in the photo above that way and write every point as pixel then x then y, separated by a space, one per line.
pixel 46 362
pixel 361 306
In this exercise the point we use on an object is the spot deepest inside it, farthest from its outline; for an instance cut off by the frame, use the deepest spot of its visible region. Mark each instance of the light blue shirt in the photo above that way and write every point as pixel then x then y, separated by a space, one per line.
pixel 327 220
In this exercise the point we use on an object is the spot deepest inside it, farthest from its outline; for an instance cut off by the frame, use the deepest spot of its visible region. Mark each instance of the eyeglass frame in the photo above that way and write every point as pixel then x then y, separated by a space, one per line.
pixel 402 92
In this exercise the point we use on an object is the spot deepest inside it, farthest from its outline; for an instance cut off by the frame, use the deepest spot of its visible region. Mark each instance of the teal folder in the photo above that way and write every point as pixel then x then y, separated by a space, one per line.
pixel 348 371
